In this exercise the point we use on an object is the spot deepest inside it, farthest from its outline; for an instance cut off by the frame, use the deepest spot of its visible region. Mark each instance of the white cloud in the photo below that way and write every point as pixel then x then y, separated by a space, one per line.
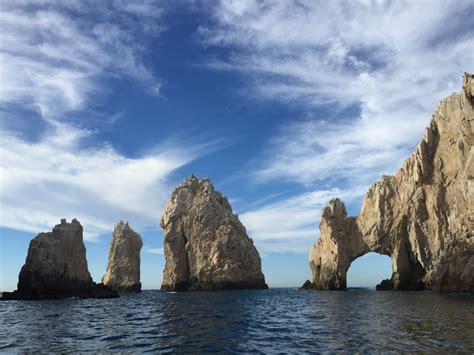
pixel 369 74
pixel 55 56
pixel 46 180
pixel 57 59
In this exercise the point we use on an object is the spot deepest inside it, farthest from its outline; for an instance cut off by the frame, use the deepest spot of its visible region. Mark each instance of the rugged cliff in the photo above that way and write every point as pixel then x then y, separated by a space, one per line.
pixel 206 246
pixel 123 268
pixel 56 267
pixel 422 217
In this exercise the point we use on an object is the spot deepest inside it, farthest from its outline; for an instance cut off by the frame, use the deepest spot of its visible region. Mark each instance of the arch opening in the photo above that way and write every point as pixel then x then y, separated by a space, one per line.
pixel 369 270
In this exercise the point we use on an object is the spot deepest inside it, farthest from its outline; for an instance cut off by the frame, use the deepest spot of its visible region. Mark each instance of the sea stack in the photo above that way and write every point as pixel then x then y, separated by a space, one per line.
pixel 56 267
pixel 123 268
pixel 422 217
pixel 206 246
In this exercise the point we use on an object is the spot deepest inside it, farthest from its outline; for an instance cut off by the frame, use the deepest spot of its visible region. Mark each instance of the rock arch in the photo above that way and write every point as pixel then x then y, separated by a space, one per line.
pixel 422 217
pixel 342 242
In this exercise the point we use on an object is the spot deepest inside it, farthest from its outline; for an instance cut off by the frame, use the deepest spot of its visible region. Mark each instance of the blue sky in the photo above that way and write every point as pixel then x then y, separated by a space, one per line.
pixel 106 106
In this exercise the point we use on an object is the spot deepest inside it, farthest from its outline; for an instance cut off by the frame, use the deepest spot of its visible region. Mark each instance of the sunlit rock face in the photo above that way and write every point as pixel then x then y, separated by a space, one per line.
pixel 422 217
pixel 56 267
pixel 206 246
pixel 123 269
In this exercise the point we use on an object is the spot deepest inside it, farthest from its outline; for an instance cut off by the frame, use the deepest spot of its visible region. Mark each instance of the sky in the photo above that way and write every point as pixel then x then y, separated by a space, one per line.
pixel 106 106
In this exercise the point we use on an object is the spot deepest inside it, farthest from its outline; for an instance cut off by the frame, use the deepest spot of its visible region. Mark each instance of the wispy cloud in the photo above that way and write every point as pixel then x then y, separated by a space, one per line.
pixel 58 59
pixel 369 73
pixel 55 56
pixel 49 179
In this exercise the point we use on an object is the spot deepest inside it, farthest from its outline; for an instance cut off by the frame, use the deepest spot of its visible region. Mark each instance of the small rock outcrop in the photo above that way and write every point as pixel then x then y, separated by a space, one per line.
pixel 206 246
pixel 56 267
pixel 422 217
pixel 123 268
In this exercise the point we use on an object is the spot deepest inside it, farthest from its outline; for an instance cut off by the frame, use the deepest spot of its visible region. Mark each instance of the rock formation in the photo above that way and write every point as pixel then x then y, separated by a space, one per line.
pixel 206 246
pixel 56 267
pixel 123 268
pixel 422 217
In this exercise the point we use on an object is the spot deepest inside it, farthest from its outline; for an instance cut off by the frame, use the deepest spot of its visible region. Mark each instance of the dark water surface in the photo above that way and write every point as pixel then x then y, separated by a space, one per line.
pixel 275 320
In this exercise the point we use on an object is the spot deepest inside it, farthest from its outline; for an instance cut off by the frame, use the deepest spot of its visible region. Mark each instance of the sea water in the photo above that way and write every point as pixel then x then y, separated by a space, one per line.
pixel 274 320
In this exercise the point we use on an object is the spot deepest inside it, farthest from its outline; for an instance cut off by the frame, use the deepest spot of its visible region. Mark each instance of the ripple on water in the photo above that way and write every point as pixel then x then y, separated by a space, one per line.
pixel 275 320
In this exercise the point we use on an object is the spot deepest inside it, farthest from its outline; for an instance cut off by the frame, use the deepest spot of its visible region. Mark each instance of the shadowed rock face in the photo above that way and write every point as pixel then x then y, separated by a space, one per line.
pixel 206 246
pixel 123 269
pixel 56 267
pixel 422 217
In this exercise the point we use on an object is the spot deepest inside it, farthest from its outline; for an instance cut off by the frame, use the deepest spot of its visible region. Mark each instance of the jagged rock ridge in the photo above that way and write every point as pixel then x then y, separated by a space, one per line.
pixel 206 246
pixel 56 267
pixel 422 217
pixel 123 268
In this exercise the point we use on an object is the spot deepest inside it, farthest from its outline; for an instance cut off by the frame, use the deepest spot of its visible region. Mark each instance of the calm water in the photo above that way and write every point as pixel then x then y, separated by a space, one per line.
pixel 276 320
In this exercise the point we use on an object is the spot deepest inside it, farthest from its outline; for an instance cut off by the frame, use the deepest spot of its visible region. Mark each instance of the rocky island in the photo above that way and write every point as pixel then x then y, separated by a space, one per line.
pixel 56 267
pixel 206 246
pixel 123 268
pixel 422 217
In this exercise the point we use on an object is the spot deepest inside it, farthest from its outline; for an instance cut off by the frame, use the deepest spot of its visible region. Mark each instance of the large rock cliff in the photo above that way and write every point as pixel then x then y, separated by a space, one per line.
pixel 123 268
pixel 206 246
pixel 422 217
pixel 56 267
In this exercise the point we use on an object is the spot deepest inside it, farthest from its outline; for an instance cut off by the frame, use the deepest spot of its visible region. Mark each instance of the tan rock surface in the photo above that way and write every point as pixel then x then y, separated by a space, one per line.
pixel 206 246
pixel 56 267
pixel 422 217
pixel 123 268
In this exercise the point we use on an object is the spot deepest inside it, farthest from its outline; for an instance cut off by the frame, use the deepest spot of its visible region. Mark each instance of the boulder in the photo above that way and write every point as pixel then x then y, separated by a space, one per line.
pixel 308 285
pixel 123 268
pixel 385 285
pixel 56 267
pixel 422 217
pixel 206 246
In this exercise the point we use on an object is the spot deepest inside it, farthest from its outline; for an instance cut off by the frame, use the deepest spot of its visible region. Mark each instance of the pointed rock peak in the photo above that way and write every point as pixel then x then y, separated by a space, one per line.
pixel 335 208
pixel 468 85
pixel 206 246
pixel 123 268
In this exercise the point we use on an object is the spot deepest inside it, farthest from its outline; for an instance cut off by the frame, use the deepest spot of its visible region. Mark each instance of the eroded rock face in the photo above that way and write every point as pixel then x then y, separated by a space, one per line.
pixel 123 268
pixel 56 267
pixel 422 217
pixel 206 246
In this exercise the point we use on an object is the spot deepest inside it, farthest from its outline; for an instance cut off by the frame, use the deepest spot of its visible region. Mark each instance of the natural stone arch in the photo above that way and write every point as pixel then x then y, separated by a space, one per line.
pixel 422 216
pixel 342 242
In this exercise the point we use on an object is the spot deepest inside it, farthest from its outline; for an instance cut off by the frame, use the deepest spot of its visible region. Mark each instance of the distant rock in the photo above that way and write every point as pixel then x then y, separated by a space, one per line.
pixel 206 246
pixel 123 269
pixel 385 285
pixel 308 285
pixel 422 217
pixel 56 267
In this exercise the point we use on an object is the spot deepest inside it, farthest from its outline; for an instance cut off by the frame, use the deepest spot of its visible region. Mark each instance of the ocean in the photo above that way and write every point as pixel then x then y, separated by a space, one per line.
pixel 276 320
